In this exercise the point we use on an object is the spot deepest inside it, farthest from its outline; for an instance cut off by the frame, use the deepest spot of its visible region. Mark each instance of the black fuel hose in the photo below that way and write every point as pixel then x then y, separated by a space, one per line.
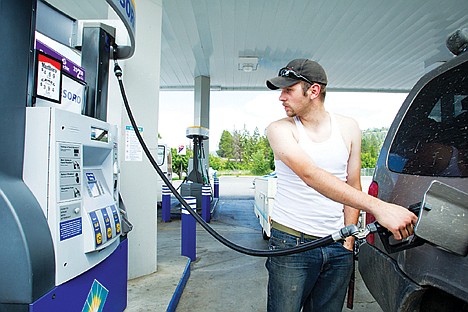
pixel 251 252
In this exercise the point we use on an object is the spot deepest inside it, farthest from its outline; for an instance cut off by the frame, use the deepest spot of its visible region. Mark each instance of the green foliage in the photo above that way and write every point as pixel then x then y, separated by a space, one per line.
pixel 226 145
pixel 180 162
pixel 372 140
pixel 241 150
pixel 260 164
pixel 216 163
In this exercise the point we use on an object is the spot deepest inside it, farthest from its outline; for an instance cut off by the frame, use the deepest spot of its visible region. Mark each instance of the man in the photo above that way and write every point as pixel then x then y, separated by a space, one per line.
pixel 317 160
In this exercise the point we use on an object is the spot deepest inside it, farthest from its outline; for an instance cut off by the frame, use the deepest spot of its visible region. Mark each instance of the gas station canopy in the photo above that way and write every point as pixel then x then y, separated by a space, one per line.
pixel 364 45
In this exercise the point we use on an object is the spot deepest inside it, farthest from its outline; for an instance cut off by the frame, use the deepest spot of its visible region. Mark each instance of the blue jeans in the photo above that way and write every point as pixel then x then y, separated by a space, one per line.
pixel 314 280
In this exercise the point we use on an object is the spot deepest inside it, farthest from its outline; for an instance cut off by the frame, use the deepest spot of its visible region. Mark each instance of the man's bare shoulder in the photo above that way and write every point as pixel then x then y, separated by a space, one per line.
pixel 347 123
pixel 281 123
pixel 282 129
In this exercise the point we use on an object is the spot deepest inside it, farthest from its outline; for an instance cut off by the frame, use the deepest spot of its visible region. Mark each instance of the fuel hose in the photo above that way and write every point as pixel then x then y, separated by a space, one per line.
pixel 341 234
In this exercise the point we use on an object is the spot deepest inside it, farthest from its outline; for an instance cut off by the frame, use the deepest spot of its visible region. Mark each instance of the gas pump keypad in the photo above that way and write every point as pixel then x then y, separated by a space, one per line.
pixel 106 225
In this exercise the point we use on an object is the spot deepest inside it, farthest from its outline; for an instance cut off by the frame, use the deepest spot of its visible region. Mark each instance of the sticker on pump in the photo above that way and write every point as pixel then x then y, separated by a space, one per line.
pixel 96 299
pixel 90 176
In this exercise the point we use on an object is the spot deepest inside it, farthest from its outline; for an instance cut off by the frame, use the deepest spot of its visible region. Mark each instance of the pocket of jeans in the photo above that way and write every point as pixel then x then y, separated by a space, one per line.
pixel 275 243
pixel 344 248
pixel 280 243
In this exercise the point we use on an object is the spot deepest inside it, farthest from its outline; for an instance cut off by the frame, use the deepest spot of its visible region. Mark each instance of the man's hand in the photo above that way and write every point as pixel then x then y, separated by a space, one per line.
pixel 397 219
pixel 349 243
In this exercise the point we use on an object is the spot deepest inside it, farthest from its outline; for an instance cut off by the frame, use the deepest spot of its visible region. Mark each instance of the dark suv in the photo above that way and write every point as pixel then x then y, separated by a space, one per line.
pixel 427 141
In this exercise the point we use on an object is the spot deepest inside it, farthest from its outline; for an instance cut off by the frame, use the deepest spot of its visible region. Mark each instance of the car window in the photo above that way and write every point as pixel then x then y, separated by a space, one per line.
pixel 432 137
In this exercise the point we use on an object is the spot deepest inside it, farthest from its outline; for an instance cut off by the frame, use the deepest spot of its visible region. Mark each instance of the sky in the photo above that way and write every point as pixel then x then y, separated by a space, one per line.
pixel 234 110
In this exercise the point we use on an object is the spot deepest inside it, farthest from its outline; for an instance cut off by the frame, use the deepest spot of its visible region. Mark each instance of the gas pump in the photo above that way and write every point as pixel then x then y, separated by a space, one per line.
pixel 197 168
pixel 70 165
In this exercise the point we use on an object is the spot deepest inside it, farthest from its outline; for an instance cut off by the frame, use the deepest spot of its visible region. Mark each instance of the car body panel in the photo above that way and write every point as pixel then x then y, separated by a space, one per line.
pixel 397 280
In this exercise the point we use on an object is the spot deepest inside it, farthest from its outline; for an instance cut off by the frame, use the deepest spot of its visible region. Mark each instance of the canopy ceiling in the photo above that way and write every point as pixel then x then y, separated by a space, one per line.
pixel 364 45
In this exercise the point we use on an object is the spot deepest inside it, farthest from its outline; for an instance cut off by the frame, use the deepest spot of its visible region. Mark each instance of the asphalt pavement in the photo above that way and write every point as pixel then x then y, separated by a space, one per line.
pixel 220 279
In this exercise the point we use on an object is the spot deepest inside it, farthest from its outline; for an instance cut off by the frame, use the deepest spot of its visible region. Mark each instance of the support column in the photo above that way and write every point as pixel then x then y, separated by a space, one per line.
pixel 202 108
pixel 138 179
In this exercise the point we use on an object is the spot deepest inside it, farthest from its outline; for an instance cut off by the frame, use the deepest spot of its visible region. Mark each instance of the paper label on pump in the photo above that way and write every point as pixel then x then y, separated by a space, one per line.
pixel 49 78
pixel 133 149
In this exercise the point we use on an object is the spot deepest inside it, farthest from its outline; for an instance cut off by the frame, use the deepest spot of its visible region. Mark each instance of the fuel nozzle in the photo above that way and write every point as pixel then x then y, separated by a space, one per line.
pixel 353 230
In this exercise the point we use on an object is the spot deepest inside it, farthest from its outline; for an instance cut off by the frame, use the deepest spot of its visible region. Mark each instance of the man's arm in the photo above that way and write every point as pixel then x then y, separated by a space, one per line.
pixel 395 218
pixel 353 135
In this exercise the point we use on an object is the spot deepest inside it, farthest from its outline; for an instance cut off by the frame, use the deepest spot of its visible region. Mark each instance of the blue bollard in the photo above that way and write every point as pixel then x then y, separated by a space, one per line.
pixel 216 187
pixel 166 204
pixel 189 230
pixel 206 203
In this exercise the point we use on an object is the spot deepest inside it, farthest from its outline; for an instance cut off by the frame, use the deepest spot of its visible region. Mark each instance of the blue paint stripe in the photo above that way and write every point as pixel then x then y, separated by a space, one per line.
pixel 180 288
pixel 261 213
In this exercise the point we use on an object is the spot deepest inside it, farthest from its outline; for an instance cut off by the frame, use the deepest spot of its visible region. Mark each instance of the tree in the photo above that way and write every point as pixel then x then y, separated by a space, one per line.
pixel 372 140
pixel 226 146
pixel 248 152
pixel 238 145
pixel 250 145
pixel 260 164
pixel 215 162
pixel 180 162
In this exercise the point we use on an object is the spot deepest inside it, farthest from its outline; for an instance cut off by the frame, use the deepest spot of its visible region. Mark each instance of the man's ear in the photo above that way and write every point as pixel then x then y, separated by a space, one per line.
pixel 313 91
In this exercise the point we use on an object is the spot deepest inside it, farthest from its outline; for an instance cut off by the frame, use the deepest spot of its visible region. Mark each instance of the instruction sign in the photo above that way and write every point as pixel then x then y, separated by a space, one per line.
pixel 70 228
pixel 69 175
pixel 70 225
pixel 133 149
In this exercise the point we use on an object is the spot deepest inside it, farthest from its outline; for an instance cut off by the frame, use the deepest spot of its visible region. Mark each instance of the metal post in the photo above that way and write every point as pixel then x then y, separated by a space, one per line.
pixel 206 206
pixel 216 187
pixel 166 204
pixel 95 53
pixel 189 227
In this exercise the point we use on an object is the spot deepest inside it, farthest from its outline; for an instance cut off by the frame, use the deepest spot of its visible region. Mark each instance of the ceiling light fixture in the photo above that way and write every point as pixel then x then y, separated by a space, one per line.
pixel 247 63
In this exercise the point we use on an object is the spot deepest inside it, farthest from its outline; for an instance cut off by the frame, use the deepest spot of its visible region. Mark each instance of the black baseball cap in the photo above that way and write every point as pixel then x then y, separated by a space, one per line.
pixel 298 70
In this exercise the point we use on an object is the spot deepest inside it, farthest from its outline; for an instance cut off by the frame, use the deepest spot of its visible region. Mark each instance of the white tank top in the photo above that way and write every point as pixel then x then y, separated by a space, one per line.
pixel 299 206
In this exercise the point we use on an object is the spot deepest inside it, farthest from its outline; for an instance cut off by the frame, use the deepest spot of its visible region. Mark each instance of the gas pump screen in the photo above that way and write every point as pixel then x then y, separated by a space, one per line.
pixel 94 187
pixel 99 135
